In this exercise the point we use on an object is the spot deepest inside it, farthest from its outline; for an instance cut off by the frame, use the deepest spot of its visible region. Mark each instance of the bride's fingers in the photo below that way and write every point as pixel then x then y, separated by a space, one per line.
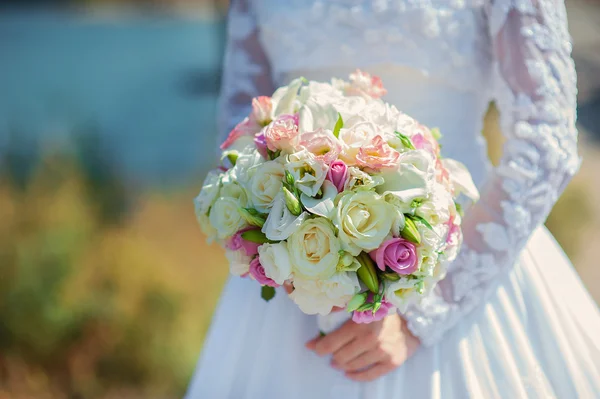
pixel 289 288
pixel 364 360
pixel 371 373
pixel 335 340
pixel 354 349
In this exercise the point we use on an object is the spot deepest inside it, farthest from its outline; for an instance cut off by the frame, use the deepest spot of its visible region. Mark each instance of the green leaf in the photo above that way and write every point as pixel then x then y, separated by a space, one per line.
pixel 232 157
pixel 338 126
pixel 256 236
pixel 420 287
pixel 420 219
pixel 459 209
pixel 405 141
pixel 273 154
pixel 391 276
pixel 321 333
pixel 435 132
pixel 267 293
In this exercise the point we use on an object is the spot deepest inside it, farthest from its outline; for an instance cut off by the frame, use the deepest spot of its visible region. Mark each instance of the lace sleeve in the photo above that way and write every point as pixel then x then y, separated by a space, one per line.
pixel 246 71
pixel 536 95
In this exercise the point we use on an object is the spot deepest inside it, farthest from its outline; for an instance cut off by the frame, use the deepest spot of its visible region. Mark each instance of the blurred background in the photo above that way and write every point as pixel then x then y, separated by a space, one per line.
pixel 106 130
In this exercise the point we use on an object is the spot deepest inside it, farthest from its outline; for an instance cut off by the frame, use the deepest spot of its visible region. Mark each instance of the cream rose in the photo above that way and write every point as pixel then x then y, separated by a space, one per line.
pixel 264 185
pixel 225 217
pixel 314 249
pixel 235 191
pixel 363 220
pixel 275 259
pixel 309 173
pixel 320 296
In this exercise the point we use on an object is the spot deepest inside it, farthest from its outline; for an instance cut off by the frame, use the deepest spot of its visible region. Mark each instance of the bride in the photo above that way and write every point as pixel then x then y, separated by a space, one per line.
pixel 511 319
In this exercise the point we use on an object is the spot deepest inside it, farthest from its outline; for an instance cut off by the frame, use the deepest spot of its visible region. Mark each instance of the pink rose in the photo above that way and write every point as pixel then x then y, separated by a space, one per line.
pixel 338 174
pixel 367 316
pixel 236 242
pixel 398 254
pixel 261 110
pixel 282 133
pixel 258 272
pixel 261 144
pixel 323 144
pixel 246 127
pixel 377 155
pixel 363 84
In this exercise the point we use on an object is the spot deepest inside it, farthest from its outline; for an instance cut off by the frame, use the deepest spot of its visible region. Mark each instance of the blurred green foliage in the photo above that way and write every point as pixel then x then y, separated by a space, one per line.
pixel 88 306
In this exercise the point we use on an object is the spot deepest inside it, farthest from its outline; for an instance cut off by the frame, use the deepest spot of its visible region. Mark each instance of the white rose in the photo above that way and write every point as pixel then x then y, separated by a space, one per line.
pixel 354 138
pixel 309 174
pixel 275 259
pixel 242 143
pixel 320 296
pixel 402 293
pixel 281 223
pixel 359 180
pixel 264 185
pixel 323 93
pixel 239 262
pixel 225 217
pixel 413 179
pixel 363 220
pixel 208 194
pixel 314 249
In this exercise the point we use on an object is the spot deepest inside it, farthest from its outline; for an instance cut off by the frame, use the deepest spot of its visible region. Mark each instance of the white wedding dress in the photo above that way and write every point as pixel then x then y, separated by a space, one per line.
pixel 511 319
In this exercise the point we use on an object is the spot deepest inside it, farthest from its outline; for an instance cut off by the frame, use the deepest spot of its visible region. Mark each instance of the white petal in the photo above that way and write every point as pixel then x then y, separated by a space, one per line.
pixel 323 206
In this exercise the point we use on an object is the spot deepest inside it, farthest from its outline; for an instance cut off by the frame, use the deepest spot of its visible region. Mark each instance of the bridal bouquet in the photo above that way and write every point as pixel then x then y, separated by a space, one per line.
pixel 326 187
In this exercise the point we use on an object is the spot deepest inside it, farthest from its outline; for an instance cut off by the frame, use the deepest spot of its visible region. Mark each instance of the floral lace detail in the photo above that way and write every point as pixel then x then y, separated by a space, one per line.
pixel 536 95
pixel 439 37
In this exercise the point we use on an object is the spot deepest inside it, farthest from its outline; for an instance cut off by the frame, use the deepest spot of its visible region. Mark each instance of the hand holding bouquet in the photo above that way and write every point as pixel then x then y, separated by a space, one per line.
pixel 328 188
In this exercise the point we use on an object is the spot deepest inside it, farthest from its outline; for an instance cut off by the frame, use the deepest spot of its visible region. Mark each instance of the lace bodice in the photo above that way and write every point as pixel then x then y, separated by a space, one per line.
pixel 465 52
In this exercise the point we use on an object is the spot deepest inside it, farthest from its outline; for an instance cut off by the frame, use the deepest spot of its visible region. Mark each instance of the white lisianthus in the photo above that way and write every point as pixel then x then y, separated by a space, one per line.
pixel 313 116
pixel 242 143
pixel 281 223
pixel 275 259
pixel 460 178
pixel 413 179
pixel 264 184
pixel 284 100
pixel 402 293
pixel 225 217
pixel 314 249
pixel 436 209
pixel 359 180
pixel 245 165
pixel 354 138
pixel 320 296
pixel 239 262
pixel 308 172
pixel 363 220
pixel 208 194
pixel 207 228
pixel 235 191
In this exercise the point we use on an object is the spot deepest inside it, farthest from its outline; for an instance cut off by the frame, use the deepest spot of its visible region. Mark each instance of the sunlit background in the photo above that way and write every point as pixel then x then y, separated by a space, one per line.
pixel 106 130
